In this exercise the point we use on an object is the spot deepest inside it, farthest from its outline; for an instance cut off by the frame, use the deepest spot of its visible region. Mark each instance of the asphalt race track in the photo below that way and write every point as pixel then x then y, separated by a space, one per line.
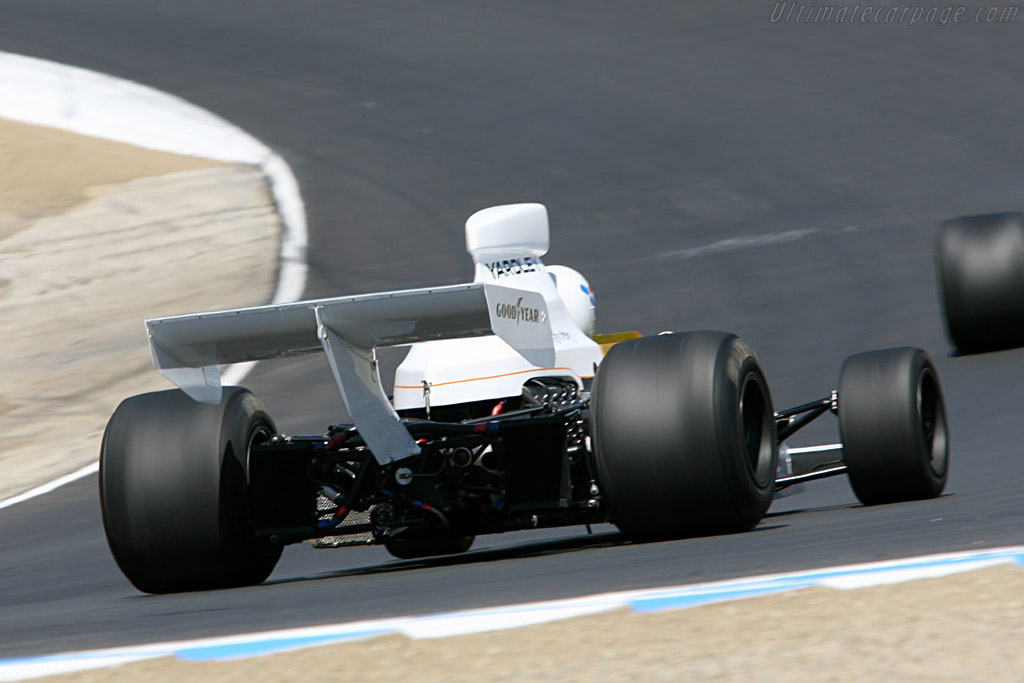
pixel 703 166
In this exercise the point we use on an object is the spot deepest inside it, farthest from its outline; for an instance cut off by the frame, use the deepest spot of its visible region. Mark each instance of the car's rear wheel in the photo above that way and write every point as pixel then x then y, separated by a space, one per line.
pixel 981 279
pixel 684 435
pixel 175 494
pixel 892 421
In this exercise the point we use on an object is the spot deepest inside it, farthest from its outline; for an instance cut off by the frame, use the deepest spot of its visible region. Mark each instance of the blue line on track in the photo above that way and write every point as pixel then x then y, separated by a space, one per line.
pixel 511 616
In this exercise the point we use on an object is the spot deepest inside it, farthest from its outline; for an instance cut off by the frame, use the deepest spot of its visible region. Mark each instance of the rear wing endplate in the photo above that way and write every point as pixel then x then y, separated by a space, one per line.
pixel 188 349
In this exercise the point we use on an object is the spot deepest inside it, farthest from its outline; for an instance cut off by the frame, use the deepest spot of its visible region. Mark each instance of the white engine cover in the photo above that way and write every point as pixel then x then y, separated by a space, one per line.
pixel 506 243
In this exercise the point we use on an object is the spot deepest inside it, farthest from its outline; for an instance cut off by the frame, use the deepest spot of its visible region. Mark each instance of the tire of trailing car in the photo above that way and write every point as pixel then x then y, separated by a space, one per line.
pixel 175 495
pixel 980 263
pixel 892 423
pixel 414 549
pixel 684 435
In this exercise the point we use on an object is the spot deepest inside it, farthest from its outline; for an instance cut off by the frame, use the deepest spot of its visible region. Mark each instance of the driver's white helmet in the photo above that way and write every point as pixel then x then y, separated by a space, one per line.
pixel 576 294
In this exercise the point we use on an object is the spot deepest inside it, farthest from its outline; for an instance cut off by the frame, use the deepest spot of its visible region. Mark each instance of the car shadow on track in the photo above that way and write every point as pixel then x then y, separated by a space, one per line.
pixel 810 509
pixel 807 510
pixel 523 551
pixel 532 549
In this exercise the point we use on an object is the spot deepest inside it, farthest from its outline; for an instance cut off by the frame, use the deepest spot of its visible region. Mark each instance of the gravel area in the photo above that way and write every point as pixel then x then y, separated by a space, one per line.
pixel 95 237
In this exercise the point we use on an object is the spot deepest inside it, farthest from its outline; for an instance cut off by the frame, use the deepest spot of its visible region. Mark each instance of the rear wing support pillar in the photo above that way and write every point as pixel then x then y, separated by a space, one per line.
pixel 355 371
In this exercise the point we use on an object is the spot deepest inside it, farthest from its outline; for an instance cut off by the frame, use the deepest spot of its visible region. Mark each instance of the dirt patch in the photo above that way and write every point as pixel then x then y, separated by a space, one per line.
pixel 44 172
pixel 960 628
pixel 87 255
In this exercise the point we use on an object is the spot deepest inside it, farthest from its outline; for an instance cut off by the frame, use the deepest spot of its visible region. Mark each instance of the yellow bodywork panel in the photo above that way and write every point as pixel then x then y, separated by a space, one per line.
pixel 607 341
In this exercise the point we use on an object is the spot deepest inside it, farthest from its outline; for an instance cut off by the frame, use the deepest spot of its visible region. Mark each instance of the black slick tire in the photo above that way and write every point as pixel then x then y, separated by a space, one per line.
pixel 684 435
pixel 980 263
pixel 892 422
pixel 174 491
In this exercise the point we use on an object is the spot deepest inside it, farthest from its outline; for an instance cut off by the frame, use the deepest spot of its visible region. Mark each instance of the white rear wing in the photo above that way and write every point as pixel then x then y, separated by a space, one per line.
pixel 187 349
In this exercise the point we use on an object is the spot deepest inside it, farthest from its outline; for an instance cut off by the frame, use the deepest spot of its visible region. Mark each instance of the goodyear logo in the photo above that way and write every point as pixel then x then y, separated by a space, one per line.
pixel 518 312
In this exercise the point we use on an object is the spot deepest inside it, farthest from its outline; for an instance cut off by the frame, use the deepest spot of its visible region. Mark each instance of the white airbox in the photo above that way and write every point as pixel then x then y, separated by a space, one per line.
pixel 509 231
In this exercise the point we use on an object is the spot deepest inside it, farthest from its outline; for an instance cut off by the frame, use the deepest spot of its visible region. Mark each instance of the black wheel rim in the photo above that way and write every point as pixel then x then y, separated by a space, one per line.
pixel 932 421
pixel 758 441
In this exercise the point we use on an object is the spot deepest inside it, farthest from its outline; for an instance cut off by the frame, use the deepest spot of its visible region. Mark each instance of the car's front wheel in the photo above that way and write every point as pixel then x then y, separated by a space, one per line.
pixel 892 421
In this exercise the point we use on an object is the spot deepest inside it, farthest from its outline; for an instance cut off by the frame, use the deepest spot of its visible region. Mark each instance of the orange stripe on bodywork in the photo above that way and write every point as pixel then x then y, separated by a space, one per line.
pixel 479 379
pixel 606 341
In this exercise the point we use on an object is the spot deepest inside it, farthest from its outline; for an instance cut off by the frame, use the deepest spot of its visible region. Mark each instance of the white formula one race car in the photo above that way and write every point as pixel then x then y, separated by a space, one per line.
pixel 507 413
